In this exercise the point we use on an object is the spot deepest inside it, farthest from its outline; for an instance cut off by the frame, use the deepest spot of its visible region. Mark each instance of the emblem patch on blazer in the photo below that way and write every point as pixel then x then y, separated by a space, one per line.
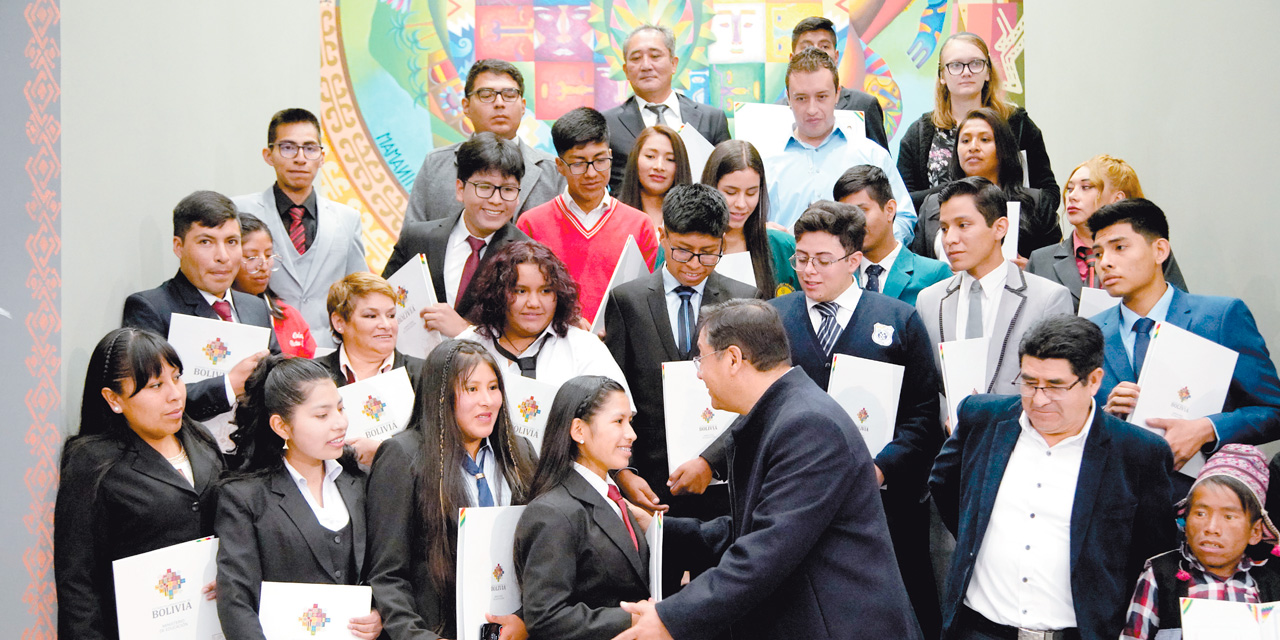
pixel 216 351
pixel 882 334
pixel 373 408
pixel 401 295
pixel 529 409
pixel 170 583
pixel 1184 394
pixel 313 619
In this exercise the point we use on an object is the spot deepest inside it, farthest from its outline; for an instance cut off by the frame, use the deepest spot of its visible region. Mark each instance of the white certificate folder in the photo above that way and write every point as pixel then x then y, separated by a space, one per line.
pixel 964 371
pixel 868 390
pixel 631 266
pixel 297 610
pixel 210 348
pixel 159 593
pixel 378 407
pixel 1222 620
pixel 692 424
pixel 414 292
pixel 528 403
pixel 486 578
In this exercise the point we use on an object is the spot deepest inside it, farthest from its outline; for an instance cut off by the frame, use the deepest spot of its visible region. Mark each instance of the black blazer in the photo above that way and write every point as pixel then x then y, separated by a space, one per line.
pixel 873 115
pixel 639 334
pixel 625 124
pixel 267 531
pixel 1057 263
pixel 432 238
pixel 142 504
pixel 397 568
pixel 806 553
pixel 151 310
pixel 575 564
pixel 412 365
pixel 1121 516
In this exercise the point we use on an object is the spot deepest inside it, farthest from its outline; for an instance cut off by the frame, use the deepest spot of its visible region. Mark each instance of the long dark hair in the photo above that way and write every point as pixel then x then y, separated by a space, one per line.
pixel 440 488
pixel 630 191
pixel 737 155
pixel 495 281
pixel 250 223
pixel 277 386
pixel 1008 158
pixel 581 398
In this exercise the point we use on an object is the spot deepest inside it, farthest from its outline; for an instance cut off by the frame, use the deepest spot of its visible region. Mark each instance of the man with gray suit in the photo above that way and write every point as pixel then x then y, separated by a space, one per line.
pixel 649 60
pixel 316 241
pixel 989 296
pixel 494 102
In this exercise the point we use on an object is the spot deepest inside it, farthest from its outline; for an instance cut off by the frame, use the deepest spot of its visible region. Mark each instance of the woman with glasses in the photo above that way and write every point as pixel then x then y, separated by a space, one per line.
pixel 966 81
pixel 254 278
pixel 658 161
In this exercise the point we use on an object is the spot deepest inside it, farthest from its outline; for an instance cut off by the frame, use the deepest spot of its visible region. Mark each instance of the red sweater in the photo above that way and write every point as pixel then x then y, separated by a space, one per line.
pixel 590 254
pixel 293 334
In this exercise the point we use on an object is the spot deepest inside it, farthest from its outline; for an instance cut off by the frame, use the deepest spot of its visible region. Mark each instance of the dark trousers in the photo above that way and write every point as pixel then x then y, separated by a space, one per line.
pixel 909 529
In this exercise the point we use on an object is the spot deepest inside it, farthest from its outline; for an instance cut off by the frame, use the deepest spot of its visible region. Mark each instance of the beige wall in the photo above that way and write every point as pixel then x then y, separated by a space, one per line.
pixel 160 99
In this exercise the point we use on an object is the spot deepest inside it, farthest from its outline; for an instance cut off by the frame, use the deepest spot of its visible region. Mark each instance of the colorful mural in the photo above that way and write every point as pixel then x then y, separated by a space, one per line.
pixel 393 70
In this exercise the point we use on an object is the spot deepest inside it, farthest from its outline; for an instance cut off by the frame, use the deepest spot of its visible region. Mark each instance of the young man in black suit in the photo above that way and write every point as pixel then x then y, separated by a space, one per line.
pixel 206 239
pixel 831 315
pixel 488 188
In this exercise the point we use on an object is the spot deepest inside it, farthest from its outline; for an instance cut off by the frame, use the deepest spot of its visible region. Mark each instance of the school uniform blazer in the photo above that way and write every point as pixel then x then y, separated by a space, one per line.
pixel 1121 515
pixel 142 504
pixel 873 115
pixel 412 365
pixel 151 310
pixel 806 553
pixel 435 187
pixel 639 334
pixel 909 275
pixel 576 563
pixel 1251 414
pixel 398 571
pixel 625 124
pixel 267 531
pixel 1026 299
pixel 1057 263
pixel 432 239
pixel 303 279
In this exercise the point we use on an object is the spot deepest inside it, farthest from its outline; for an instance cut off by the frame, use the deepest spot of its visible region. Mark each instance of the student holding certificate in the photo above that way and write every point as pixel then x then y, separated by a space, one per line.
pixel 292 512
pixel 138 477
pixel 459 451
pixel 580 551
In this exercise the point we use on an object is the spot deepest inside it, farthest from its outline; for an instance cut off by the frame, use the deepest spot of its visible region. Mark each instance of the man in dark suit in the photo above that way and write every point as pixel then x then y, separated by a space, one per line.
pixel 1131 240
pixel 1055 504
pixel 206 239
pixel 887 266
pixel 832 315
pixel 820 33
pixel 487 186
pixel 806 553
pixel 650 64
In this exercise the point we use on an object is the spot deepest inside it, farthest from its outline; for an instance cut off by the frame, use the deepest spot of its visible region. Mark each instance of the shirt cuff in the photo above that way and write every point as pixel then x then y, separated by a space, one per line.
pixel 231 396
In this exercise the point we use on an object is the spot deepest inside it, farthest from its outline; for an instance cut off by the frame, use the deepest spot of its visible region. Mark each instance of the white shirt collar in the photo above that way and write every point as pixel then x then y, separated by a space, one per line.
pixel 669 282
pixel 458 236
pixel 1025 423
pixel 331 472
pixel 345 364
pixel 672 103
pixel 577 211
pixel 992 283
pixel 226 295
pixel 847 300
pixel 599 484
pixel 887 263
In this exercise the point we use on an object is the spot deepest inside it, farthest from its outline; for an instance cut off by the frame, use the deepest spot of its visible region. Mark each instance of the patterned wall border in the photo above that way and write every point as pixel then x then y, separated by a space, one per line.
pixel 42 91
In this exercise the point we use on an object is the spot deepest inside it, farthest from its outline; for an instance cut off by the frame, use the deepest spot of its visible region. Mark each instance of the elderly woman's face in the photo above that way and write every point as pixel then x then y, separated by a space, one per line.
pixel 372 326
pixel 532 305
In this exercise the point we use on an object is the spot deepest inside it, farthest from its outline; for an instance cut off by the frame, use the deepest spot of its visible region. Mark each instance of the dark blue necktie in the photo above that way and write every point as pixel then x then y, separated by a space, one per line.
pixel 829 330
pixel 873 277
pixel 1140 343
pixel 684 318
pixel 485 497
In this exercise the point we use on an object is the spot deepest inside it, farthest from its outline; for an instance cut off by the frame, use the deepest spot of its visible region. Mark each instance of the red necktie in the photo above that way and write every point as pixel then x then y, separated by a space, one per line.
pixel 297 233
pixel 469 267
pixel 224 310
pixel 616 496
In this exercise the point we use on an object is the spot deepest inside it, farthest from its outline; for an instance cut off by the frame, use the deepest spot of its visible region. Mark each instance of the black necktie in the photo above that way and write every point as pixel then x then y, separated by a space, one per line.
pixel 1140 343
pixel 873 277
pixel 684 318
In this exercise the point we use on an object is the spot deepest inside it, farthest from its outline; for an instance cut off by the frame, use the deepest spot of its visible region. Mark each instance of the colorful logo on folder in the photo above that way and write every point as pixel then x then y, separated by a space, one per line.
pixel 707 415
pixel 216 351
pixel 1184 394
pixel 313 619
pixel 529 408
pixel 170 583
pixel 863 415
pixel 402 294
pixel 498 573
pixel 373 408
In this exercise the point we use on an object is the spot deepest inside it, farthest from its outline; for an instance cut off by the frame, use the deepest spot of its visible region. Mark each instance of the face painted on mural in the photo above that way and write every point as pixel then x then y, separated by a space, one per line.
pixel 739 30
pixel 562 33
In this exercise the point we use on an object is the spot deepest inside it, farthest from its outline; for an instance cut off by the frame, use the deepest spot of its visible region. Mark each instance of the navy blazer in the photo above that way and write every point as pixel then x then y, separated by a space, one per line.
pixel 806 553
pixel 1251 414
pixel 1121 514
pixel 267 531
pixel 575 563
pixel 625 124
pixel 909 275
pixel 152 310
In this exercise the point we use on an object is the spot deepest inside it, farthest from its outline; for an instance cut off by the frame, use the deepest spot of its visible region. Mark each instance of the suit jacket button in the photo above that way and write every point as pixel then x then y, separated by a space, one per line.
pixel 338 573
pixel 337 539
pixel 195 506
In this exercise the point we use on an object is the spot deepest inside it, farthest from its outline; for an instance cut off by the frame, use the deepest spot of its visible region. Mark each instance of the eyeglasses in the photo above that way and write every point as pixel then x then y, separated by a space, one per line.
pixel 485 190
pixel 974 66
pixel 601 165
pixel 486 95
pixel 259 263
pixel 697 360
pixel 1053 393
pixel 818 261
pixel 684 255
pixel 290 150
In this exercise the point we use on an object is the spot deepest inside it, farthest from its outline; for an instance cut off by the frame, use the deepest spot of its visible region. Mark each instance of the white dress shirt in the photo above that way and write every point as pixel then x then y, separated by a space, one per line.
pixel 498 486
pixel 222 419
pixel 672 116
pixel 182 464
pixel 669 284
pixel 1022 576
pixel 587 218
pixel 349 372
pixel 887 264
pixel 456 252
pixel 992 289
pixel 599 484
pixel 847 301
pixel 333 514
pixel 210 298
pixel 560 358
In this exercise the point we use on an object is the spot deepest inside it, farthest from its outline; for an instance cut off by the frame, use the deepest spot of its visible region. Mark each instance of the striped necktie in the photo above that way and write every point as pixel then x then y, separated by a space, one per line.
pixel 829 330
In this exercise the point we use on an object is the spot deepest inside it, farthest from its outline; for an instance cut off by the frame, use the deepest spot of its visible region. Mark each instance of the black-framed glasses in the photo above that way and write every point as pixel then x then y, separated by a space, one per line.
pixel 697 360
pixel 290 150
pixel 601 165
pixel 799 263
pixel 974 66
pixel 1052 392
pixel 509 94
pixel 254 264
pixel 485 190
pixel 684 255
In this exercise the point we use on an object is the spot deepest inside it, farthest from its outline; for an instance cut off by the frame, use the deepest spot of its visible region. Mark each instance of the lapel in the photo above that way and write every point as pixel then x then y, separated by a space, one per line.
pixel 1064 266
pixel 204 462
pixel 1179 313
pixel 295 507
pixel 437 242
pixel 690 112
pixel 1094 462
pixel 661 321
pixel 532 172
pixel 947 310
pixel 630 117
pixel 1115 358
pixel 352 494
pixel 608 521
pixel 1002 444
pixel 286 254
pixel 192 302
pixel 899 274
pixel 1007 313
pixel 150 463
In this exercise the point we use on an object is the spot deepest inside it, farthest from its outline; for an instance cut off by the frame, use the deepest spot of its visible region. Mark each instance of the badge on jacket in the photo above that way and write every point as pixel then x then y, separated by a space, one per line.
pixel 882 334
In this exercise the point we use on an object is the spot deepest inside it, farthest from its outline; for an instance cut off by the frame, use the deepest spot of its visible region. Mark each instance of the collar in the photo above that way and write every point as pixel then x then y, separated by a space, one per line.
pixel 888 260
pixel 847 300
pixel 1158 312
pixel 992 283
pixel 484 447
pixel 210 298
pixel 284 203
pixel 1246 562
pixel 1025 423
pixel 572 205
pixel 669 282
pixel 534 347
pixel 349 373
pixel 331 472
pixel 599 484
pixel 672 102
pixel 1077 242
pixel 794 142
pixel 459 234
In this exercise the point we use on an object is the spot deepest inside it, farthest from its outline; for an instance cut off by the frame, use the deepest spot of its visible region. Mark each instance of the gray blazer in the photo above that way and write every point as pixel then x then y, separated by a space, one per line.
pixel 433 192
pixel 303 280
pixel 625 124
pixel 1027 299
pixel 1057 263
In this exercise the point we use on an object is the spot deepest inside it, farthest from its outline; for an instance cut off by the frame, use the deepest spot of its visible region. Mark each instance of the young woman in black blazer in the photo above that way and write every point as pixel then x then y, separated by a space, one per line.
pixel 419 481
pixel 138 477
pixel 579 551
pixel 293 512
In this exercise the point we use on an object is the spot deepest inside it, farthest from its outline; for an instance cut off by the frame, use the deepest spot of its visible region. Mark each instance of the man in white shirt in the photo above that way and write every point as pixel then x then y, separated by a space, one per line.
pixel 1055 504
